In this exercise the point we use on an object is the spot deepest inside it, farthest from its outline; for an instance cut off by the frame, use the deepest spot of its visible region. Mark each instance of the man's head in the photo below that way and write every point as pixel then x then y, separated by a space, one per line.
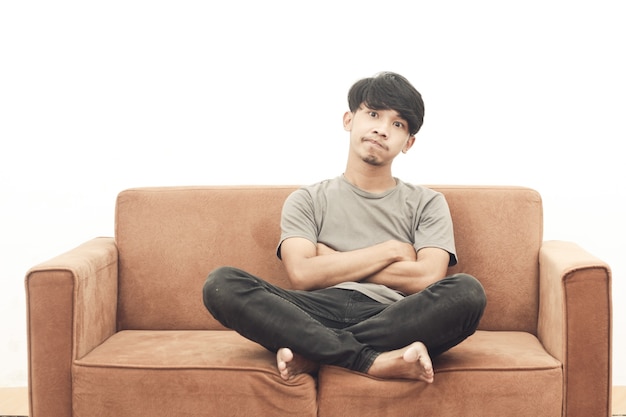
pixel 389 91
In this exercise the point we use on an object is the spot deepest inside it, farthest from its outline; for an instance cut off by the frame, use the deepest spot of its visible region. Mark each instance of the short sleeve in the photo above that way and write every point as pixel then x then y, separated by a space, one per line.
pixel 434 227
pixel 298 218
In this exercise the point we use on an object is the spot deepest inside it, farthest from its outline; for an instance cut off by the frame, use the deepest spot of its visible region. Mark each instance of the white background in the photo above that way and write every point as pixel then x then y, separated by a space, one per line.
pixel 96 97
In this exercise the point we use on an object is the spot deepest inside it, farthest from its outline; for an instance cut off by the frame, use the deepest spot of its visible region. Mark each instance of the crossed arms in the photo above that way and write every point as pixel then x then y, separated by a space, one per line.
pixel 393 263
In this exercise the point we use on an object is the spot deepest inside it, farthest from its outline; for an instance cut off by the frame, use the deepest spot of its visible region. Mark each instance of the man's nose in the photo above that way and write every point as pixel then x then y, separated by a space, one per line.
pixel 381 128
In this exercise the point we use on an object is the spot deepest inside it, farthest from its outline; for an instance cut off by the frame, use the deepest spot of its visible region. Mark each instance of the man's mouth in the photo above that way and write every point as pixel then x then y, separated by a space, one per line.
pixel 375 143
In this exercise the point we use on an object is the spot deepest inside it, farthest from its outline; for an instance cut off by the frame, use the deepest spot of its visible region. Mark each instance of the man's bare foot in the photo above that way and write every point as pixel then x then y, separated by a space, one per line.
pixel 411 362
pixel 290 364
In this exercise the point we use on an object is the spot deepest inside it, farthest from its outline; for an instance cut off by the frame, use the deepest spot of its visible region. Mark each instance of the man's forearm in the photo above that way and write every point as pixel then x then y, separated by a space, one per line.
pixel 411 277
pixel 331 267
pixel 408 277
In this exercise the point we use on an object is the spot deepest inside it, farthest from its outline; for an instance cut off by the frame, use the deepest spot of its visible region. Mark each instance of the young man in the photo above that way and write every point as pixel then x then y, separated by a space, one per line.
pixel 367 256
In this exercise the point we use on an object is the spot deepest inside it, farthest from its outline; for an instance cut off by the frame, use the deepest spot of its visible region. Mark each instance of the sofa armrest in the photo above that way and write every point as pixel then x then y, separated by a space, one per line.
pixel 575 324
pixel 71 308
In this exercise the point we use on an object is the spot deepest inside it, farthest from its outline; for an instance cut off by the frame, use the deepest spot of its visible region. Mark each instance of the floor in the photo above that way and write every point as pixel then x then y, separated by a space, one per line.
pixel 14 402
pixel 619 401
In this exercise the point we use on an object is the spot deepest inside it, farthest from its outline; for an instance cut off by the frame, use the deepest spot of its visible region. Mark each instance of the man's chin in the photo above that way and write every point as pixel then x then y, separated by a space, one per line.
pixel 372 160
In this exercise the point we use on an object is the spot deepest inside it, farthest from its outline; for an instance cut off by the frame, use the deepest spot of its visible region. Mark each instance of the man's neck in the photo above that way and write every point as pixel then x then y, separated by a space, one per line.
pixel 373 179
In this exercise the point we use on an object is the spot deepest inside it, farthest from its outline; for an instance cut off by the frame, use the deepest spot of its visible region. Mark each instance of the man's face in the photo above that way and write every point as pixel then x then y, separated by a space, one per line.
pixel 377 136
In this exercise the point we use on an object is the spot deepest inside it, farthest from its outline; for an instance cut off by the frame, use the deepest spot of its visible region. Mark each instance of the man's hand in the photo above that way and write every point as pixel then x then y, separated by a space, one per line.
pixel 406 251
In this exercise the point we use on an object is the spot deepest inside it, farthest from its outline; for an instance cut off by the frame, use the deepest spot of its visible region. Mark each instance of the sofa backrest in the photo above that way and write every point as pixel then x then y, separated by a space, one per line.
pixel 170 238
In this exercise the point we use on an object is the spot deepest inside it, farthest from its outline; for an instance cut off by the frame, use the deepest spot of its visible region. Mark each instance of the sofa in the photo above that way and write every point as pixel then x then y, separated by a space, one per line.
pixel 117 326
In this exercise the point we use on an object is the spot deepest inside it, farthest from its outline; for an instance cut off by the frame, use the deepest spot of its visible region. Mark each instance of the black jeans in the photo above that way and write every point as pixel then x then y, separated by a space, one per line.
pixel 344 327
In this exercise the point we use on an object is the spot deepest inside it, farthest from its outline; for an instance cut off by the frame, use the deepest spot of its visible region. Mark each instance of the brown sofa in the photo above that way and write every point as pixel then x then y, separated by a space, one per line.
pixel 117 327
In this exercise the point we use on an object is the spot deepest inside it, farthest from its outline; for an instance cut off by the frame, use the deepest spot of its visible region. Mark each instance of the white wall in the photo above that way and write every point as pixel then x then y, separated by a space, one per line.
pixel 96 97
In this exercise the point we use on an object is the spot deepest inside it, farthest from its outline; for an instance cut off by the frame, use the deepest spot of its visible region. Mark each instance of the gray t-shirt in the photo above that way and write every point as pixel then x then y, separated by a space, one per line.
pixel 342 216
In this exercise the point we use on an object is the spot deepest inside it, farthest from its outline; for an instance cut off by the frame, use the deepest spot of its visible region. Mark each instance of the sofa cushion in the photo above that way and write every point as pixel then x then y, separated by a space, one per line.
pixel 170 238
pixel 166 373
pixel 489 374
pixel 498 233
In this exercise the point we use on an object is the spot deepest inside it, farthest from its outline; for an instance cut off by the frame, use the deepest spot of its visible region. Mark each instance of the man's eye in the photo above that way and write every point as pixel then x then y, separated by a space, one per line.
pixel 373 114
pixel 398 124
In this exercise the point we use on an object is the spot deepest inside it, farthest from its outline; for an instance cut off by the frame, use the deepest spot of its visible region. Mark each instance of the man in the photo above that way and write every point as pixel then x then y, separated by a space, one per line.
pixel 367 256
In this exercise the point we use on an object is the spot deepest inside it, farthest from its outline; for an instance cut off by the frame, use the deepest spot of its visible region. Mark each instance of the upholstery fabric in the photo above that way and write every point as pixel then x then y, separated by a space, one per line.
pixel 491 374
pixel 169 239
pixel 71 303
pixel 575 324
pixel 191 372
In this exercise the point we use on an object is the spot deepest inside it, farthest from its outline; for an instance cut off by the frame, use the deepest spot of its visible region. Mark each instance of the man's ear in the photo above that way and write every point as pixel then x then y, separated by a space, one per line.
pixel 347 120
pixel 409 144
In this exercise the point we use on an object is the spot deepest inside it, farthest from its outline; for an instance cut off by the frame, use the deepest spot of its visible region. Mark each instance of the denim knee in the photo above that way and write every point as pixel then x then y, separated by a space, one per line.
pixel 216 289
pixel 473 292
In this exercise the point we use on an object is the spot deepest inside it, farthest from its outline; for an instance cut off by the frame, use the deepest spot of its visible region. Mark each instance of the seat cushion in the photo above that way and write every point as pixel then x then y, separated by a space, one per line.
pixel 489 374
pixel 177 373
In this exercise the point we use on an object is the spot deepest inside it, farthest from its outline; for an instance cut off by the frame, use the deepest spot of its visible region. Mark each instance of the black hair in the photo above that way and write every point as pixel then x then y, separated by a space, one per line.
pixel 389 91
